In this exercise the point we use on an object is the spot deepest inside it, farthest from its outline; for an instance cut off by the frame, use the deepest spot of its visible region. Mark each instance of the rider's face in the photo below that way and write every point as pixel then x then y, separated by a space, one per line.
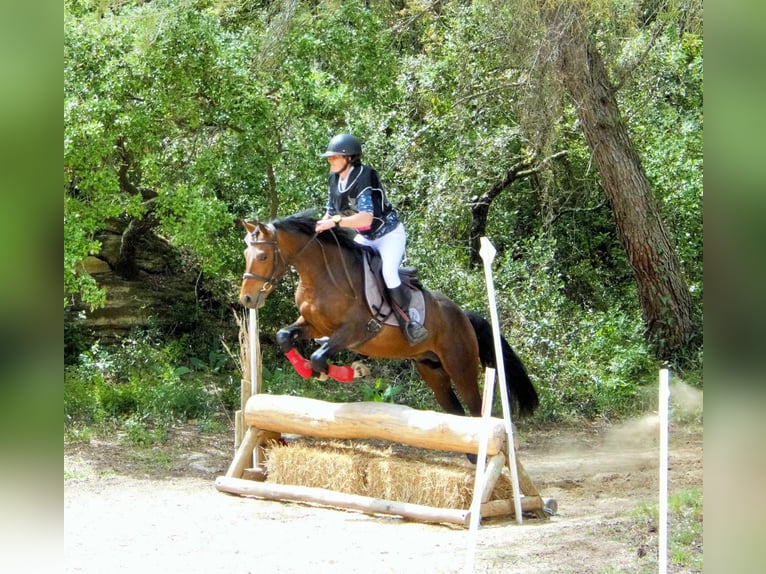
pixel 337 163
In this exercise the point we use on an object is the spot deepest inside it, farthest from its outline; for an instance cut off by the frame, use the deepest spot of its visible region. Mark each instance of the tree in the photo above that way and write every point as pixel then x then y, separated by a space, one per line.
pixel 555 53
pixel 182 118
pixel 662 289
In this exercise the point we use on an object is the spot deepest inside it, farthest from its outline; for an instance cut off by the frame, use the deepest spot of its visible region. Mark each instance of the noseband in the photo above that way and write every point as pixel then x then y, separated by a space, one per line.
pixel 275 275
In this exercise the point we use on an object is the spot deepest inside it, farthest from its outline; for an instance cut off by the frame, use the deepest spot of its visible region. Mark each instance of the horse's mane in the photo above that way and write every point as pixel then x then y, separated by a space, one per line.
pixel 304 222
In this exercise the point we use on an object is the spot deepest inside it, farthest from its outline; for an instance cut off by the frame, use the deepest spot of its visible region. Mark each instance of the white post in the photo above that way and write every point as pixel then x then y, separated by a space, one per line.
pixel 487 253
pixel 255 377
pixel 252 330
pixel 663 512
pixel 489 383
pixel 478 486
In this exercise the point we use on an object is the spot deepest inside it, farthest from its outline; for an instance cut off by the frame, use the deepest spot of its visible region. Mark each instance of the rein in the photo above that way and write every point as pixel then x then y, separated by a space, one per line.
pixel 345 267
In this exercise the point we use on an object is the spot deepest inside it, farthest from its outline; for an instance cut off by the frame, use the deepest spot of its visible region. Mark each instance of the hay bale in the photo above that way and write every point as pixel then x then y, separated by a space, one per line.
pixel 419 482
pixel 332 465
pixel 359 468
pixel 503 487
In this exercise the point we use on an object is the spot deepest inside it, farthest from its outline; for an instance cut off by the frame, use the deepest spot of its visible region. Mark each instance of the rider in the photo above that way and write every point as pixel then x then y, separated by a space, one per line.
pixel 356 199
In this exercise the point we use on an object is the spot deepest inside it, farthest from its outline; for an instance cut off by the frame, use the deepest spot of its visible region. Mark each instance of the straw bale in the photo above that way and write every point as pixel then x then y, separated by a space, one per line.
pixel 503 487
pixel 332 465
pixel 418 482
pixel 356 467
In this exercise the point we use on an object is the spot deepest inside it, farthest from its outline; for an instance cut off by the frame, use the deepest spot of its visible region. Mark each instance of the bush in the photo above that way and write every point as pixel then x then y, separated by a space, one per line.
pixel 595 363
pixel 82 404
pixel 141 387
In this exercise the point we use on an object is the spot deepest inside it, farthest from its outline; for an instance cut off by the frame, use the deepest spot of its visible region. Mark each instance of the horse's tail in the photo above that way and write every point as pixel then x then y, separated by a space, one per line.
pixel 520 388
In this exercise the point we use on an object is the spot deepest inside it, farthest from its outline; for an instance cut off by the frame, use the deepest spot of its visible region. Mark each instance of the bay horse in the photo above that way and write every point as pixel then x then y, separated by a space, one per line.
pixel 331 302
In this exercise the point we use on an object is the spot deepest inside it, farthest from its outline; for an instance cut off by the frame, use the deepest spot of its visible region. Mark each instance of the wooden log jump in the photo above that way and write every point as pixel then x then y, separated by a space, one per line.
pixel 267 416
pixel 367 420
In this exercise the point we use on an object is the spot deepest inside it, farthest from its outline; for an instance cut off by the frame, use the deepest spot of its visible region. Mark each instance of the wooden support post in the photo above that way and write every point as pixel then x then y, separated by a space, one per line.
pixel 239 428
pixel 244 393
pixel 491 475
pixel 532 504
pixel 366 504
pixel 526 486
pixel 244 455
pixel 250 450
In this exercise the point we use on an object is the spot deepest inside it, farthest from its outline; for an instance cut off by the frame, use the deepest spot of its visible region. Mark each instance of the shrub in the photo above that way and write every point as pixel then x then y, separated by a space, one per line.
pixel 141 387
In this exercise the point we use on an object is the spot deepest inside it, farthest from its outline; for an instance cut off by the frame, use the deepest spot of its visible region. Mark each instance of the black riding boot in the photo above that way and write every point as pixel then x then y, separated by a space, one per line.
pixel 414 331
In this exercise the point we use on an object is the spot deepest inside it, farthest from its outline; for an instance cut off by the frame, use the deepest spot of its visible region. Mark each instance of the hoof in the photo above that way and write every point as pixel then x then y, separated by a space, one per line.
pixel 550 506
pixel 360 369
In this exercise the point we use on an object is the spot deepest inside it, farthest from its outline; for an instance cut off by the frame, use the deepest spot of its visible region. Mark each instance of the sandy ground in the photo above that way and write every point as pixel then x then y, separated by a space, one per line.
pixel 128 510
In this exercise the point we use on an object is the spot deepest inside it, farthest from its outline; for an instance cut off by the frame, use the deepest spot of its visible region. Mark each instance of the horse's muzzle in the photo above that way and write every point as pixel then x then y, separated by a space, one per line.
pixel 251 302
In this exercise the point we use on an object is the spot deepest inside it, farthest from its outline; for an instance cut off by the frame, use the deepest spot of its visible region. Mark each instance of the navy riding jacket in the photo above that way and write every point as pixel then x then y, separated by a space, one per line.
pixel 363 192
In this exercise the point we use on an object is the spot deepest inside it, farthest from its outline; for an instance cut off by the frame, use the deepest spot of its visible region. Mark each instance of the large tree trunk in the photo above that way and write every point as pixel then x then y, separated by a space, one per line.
pixel 662 289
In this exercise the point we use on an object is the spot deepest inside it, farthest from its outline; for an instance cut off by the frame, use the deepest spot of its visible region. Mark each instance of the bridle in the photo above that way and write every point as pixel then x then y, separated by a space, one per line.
pixel 268 282
pixel 276 273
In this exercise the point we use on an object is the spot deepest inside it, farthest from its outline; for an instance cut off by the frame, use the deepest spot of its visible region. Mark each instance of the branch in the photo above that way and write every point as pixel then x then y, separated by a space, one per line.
pixel 122 173
pixel 519 171
pixel 564 210
pixel 480 206
pixel 624 73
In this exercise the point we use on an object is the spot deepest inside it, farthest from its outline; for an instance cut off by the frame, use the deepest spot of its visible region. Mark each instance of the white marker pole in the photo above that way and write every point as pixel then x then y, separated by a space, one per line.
pixel 255 386
pixel 487 253
pixel 252 329
pixel 478 483
pixel 663 513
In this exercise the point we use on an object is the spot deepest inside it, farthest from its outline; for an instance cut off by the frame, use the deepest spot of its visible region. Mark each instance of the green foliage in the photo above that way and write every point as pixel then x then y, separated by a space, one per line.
pixel 82 397
pixel 195 114
pixel 685 528
pixel 141 431
pixel 390 381
pixel 143 388
pixel 594 363
pixel 380 392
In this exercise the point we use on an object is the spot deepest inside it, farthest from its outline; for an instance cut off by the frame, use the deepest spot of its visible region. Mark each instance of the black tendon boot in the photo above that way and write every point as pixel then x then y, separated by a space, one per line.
pixel 414 331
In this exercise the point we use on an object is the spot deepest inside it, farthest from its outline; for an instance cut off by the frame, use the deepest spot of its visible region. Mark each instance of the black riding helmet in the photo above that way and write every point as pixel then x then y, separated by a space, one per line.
pixel 343 144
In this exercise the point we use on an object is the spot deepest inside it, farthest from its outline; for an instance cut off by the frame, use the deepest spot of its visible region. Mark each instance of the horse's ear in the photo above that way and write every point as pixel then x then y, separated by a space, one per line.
pixel 249 227
pixel 263 230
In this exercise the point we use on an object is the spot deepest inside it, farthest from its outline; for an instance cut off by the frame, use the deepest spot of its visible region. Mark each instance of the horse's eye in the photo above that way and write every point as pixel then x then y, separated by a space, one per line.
pixel 262 257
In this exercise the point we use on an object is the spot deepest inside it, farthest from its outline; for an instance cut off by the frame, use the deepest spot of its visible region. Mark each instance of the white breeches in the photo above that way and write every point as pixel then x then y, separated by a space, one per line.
pixel 391 248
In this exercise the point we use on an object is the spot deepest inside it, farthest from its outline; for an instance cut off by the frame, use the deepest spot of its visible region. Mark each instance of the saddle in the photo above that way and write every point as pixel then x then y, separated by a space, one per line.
pixel 376 292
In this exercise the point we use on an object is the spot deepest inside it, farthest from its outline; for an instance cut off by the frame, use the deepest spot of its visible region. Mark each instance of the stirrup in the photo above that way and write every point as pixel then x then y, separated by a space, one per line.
pixel 415 332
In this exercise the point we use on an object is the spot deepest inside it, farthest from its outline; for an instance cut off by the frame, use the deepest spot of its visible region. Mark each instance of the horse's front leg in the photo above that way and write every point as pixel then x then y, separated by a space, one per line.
pixel 321 357
pixel 287 336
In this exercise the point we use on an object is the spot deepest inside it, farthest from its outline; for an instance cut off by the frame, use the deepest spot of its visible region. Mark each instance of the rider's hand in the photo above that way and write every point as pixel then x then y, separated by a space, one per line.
pixel 324 225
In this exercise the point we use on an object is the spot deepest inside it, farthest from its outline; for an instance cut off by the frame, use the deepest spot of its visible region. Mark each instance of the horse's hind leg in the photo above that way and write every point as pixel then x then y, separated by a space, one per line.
pixel 439 382
pixel 461 365
pixel 465 381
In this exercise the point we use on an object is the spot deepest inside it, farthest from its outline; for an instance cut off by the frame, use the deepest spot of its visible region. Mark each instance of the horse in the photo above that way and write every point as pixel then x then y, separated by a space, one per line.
pixel 332 307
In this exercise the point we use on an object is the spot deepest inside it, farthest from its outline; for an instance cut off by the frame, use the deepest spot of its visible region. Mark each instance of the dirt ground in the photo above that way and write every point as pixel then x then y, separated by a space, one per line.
pixel 156 510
